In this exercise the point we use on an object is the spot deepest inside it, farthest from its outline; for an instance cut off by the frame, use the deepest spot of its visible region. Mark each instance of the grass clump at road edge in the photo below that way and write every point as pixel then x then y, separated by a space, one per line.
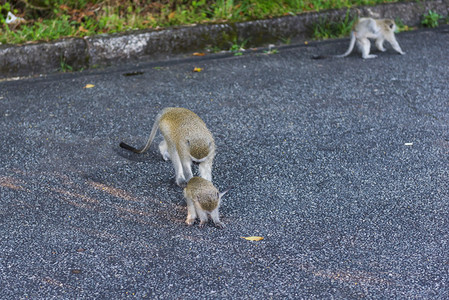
pixel 45 20
pixel 433 19
pixel 326 29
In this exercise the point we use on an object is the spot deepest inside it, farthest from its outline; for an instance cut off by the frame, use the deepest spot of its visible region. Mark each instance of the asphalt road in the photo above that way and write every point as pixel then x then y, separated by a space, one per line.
pixel 340 164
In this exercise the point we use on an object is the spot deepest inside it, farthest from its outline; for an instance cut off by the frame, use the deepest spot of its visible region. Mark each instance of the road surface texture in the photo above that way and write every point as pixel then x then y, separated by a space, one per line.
pixel 341 165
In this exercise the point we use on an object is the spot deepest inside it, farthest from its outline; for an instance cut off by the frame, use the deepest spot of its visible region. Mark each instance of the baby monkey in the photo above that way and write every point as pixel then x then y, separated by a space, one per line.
pixel 202 199
pixel 186 140
pixel 369 28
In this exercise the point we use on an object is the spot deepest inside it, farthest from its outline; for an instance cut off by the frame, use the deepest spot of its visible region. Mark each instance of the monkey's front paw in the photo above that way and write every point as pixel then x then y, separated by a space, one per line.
pixel 181 182
pixel 190 222
pixel 402 53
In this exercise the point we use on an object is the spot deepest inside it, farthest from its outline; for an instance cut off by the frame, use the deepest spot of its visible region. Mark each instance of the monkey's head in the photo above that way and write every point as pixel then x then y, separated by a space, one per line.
pixel 390 25
pixel 204 193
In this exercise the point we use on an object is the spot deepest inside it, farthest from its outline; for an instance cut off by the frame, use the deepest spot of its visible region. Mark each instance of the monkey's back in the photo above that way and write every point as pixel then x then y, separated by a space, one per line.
pixel 371 28
pixel 202 191
pixel 365 27
pixel 180 126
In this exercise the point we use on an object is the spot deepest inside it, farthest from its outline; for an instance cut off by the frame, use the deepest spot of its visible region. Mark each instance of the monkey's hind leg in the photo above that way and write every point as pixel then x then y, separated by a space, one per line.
pixel 163 148
pixel 187 169
pixel 176 160
pixel 365 47
pixel 205 169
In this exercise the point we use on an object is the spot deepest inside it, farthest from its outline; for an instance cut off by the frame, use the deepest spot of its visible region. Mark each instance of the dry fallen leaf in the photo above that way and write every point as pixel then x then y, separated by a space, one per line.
pixel 89 86
pixel 199 54
pixel 82 29
pixel 197 69
pixel 172 15
pixel 253 238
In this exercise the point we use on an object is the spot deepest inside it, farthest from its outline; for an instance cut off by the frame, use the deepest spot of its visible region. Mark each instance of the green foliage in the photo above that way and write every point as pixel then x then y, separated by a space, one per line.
pixel 326 28
pixel 431 19
pixel 40 31
pixel 224 9
pixel 53 19
pixel 286 40
pixel 237 47
pixel 401 26
pixel 65 67
pixel 4 9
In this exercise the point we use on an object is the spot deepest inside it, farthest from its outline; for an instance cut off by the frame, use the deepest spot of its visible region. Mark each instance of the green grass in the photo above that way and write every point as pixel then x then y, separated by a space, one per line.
pixel 326 29
pixel 431 19
pixel 237 47
pixel 53 19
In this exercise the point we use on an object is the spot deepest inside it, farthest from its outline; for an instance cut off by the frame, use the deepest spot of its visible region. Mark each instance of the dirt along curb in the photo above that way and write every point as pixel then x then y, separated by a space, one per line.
pixel 155 45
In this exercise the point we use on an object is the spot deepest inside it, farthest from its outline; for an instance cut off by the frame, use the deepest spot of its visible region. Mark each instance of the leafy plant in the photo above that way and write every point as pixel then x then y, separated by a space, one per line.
pixel 4 9
pixel 286 40
pixel 65 67
pixel 237 47
pixel 326 28
pixel 431 19
pixel 400 25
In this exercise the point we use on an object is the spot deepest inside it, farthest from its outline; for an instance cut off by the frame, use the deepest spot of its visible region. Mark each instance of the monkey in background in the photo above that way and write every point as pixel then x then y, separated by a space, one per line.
pixel 186 140
pixel 369 28
pixel 203 199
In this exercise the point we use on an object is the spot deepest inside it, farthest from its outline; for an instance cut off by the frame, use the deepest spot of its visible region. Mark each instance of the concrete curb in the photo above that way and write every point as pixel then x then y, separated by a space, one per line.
pixel 153 45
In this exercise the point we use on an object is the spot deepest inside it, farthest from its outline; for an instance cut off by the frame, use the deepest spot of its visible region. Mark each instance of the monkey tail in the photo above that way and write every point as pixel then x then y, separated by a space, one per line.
pixel 128 147
pixel 150 139
pixel 225 191
pixel 351 46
